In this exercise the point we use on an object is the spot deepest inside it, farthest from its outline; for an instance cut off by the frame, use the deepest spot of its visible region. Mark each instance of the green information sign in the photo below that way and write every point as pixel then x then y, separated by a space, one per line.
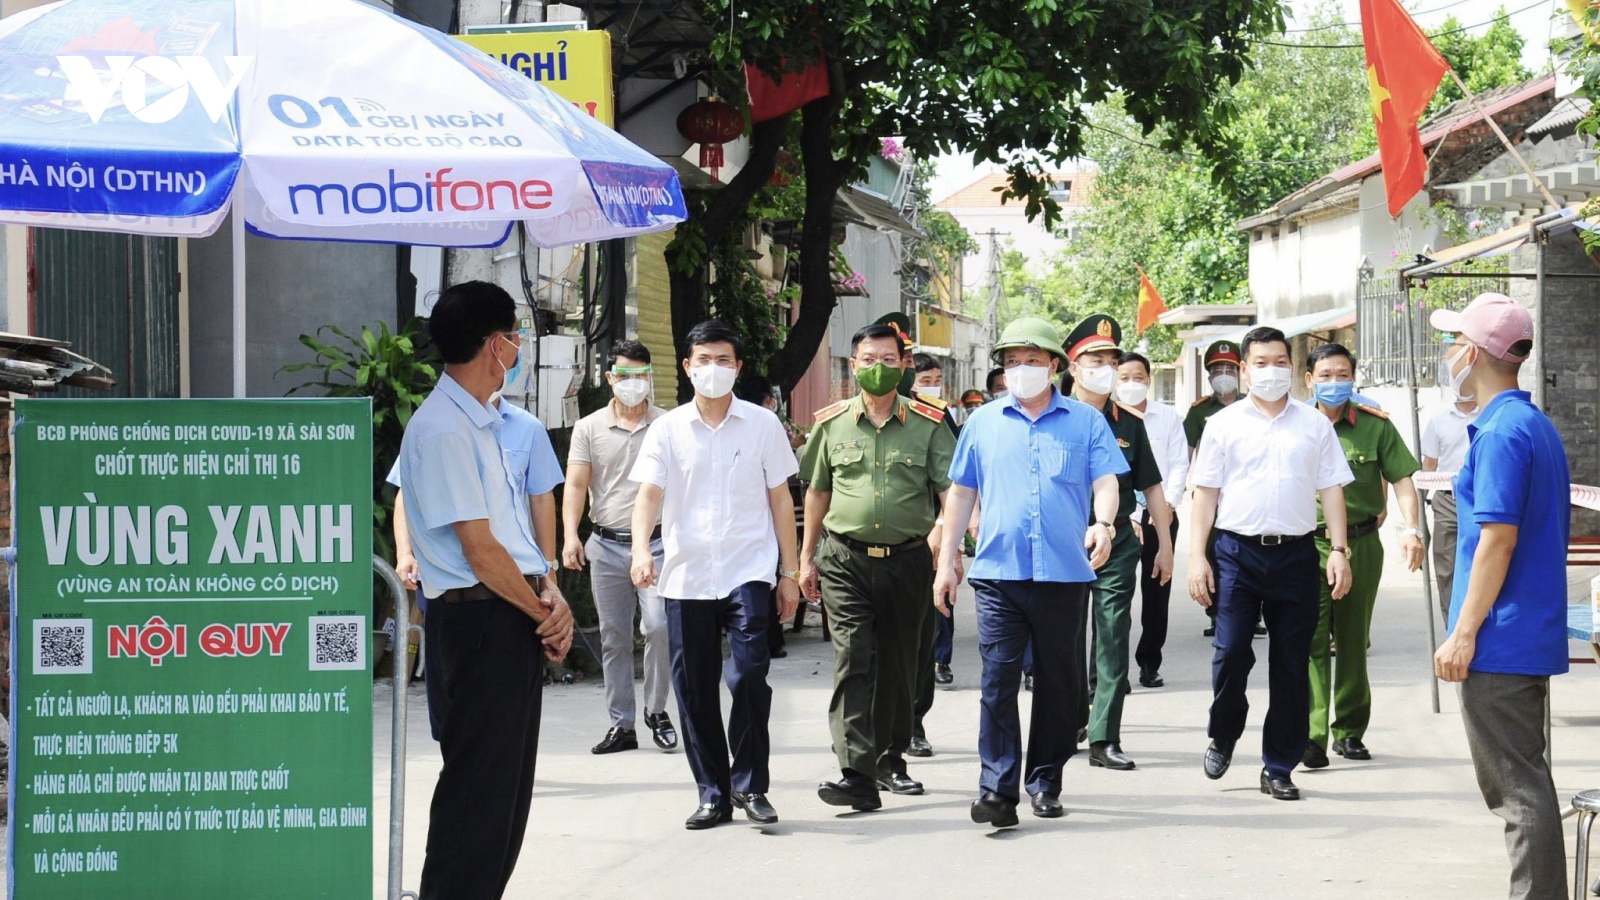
pixel 192 693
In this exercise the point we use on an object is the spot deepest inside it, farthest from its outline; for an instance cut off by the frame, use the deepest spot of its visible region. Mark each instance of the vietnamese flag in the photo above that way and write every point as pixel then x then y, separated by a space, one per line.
pixel 1403 72
pixel 1151 306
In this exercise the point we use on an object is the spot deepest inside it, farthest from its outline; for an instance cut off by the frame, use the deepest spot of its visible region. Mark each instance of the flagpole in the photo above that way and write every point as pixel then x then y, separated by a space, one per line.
pixel 1507 141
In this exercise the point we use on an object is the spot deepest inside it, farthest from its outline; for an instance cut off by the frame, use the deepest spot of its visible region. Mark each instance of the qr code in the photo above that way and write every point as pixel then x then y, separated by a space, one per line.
pixel 338 643
pixel 63 646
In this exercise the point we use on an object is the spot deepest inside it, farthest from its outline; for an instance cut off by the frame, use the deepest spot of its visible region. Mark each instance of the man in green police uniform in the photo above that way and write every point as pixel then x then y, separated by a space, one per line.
pixel 1092 349
pixel 1377 457
pixel 878 466
pixel 1222 373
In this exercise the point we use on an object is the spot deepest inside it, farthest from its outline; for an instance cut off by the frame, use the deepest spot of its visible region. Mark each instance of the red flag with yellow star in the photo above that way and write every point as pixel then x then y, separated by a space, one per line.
pixel 1403 72
pixel 1151 306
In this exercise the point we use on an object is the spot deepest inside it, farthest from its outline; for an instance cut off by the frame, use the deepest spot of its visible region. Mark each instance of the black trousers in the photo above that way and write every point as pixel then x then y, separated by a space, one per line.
pixel 1154 600
pixel 694 636
pixel 489 663
pixel 1281 584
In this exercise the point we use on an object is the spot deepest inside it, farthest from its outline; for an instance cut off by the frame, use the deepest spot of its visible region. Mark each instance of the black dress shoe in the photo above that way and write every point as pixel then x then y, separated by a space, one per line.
pixel 1218 757
pixel 919 748
pixel 1279 788
pixel 1352 748
pixel 900 783
pixel 661 730
pixel 993 809
pixel 1047 807
pixel 1261 630
pixel 708 816
pixel 616 741
pixel 853 790
pixel 1083 734
pixel 756 808
pixel 1211 631
pixel 1027 682
pixel 941 674
pixel 1109 755
pixel 1314 758
pixel 1150 678
pixel 778 654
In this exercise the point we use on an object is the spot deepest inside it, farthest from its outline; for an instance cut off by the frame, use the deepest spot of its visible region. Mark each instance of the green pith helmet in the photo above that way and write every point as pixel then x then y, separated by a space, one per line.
pixel 1030 332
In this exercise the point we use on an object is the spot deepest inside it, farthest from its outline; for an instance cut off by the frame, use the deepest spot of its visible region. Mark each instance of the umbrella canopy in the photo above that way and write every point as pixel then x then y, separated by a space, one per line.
pixel 319 119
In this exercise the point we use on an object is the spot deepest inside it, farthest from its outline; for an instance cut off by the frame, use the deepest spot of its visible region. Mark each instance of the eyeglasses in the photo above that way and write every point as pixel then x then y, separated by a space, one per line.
pixel 867 362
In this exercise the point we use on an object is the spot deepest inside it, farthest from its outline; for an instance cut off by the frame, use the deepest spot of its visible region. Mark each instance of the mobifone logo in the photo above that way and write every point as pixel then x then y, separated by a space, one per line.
pixel 154 88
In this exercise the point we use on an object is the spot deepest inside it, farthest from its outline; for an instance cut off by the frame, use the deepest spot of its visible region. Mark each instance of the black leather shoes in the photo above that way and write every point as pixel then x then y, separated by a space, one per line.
pixel 900 783
pixel 1279 788
pixel 1048 807
pixel 1261 630
pixel 661 730
pixel 708 816
pixel 756 808
pixel 616 741
pixel 942 674
pixel 993 809
pixel 1314 758
pixel 1352 748
pixel 1083 734
pixel 1211 631
pixel 1109 755
pixel 920 748
pixel 1219 756
pixel 853 790
pixel 1027 683
pixel 1150 678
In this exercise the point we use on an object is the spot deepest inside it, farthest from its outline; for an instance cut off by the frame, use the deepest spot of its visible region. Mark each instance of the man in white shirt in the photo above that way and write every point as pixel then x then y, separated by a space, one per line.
pixel 1444 449
pixel 716 473
pixel 1165 428
pixel 1256 478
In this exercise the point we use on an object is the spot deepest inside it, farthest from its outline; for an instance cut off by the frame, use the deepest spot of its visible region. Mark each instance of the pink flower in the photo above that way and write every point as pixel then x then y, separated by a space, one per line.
pixel 891 149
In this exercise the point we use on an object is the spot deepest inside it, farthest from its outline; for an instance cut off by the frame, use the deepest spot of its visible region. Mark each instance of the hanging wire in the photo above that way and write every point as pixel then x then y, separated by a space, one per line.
pixel 1190 154
pixel 1508 15
pixel 1357 23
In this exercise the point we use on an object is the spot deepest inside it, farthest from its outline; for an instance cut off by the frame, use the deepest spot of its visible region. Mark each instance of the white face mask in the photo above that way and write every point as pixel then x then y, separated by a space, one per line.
pixel 1133 393
pixel 1097 380
pixel 936 391
pixel 1225 384
pixel 1027 382
pixel 1270 383
pixel 1452 383
pixel 631 391
pixel 712 381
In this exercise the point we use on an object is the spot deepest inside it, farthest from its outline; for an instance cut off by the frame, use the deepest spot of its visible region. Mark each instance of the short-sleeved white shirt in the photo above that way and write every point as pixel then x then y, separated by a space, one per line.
pixel 716 521
pixel 1445 438
pixel 1269 469
pixel 1165 428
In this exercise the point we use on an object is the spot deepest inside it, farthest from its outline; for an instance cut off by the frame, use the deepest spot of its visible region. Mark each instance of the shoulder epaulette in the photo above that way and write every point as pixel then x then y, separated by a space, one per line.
pixel 1372 410
pixel 1131 411
pixel 934 402
pixel 829 412
pixel 926 411
pixel 1198 401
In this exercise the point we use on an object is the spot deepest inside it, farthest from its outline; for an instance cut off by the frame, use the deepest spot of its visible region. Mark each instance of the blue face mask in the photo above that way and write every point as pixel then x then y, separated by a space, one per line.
pixel 513 373
pixel 1333 394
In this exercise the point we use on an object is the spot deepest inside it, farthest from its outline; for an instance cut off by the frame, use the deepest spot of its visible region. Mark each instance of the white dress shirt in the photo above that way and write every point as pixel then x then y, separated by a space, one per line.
pixel 1269 469
pixel 1445 438
pixel 716 521
pixel 1165 428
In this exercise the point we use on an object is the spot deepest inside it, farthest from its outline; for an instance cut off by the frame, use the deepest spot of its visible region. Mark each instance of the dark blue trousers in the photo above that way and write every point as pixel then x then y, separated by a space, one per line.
pixel 944 638
pixel 694 637
pixel 1047 617
pixel 1281 584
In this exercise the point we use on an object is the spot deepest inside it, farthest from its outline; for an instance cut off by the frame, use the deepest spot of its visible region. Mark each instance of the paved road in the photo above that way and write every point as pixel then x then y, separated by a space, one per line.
pixel 1407 824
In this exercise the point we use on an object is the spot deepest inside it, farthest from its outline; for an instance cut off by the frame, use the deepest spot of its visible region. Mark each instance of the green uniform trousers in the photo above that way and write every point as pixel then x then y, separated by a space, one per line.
pixel 1349 622
pixel 877 609
pixel 1112 603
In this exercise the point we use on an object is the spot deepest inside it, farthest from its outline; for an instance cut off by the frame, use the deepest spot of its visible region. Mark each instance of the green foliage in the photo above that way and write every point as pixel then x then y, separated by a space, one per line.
pixel 396 370
pixel 1583 63
pixel 1490 60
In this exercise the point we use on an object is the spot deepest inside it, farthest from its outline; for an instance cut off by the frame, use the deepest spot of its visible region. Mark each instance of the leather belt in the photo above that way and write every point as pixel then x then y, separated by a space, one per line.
pixel 1363 529
pixel 480 591
pixel 878 551
pixel 1270 540
pixel 623 537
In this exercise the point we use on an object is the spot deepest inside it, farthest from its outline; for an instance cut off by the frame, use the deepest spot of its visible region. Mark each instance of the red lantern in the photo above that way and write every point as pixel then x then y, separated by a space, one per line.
pixel 711 123
pixel 786 169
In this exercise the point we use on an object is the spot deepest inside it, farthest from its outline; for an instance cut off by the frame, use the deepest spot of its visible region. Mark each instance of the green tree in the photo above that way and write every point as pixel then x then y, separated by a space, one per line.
pixel 1490 60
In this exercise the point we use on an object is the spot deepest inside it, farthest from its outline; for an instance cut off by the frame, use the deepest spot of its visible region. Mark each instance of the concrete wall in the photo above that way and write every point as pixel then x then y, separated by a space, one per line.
pixel 292 288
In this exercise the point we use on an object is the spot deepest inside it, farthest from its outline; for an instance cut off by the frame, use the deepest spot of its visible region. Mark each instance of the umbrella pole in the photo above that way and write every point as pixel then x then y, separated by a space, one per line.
pixel 238 301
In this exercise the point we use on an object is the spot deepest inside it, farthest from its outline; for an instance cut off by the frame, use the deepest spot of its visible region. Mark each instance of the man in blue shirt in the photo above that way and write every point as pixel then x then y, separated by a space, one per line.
pixel 1036 461
pixel 493 616
pixel 1508 610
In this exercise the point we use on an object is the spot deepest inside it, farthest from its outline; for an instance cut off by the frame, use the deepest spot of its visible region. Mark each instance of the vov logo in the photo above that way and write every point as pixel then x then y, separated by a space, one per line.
pixel 174 79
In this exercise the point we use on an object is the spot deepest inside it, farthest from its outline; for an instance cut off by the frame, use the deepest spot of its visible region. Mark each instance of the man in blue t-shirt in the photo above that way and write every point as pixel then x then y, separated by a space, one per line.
pixel 1508 611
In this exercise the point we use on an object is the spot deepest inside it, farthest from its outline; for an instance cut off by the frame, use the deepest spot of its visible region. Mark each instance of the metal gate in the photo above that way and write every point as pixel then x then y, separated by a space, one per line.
pixel 1381 310
pixel 115 298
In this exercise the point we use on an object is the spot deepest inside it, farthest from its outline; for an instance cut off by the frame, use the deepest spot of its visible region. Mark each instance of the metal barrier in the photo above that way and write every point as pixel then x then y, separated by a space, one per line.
pixel 397 738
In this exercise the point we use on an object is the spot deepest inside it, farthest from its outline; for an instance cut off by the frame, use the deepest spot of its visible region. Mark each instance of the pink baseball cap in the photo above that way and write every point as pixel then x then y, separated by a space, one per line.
pixel 1494 322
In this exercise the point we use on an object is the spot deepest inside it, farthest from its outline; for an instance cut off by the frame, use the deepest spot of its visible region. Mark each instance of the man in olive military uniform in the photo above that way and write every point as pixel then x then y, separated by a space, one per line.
pixel 1377 457
pixel 1092 350
pixel 1222 373
pixel 878 466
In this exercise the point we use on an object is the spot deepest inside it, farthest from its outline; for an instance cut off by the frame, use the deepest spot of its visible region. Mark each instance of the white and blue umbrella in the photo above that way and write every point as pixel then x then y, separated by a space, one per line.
pixel 316 119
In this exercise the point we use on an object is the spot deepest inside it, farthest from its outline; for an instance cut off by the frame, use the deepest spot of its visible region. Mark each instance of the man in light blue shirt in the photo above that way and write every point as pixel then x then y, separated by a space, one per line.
pixel 491 608
pixel 1037 462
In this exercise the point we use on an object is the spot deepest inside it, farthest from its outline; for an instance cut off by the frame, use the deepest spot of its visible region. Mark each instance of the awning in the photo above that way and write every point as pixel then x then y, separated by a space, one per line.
pixel 1327 320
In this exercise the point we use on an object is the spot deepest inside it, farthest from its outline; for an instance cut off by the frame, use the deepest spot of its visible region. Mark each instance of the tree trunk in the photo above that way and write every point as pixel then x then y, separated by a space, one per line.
pixel 726 206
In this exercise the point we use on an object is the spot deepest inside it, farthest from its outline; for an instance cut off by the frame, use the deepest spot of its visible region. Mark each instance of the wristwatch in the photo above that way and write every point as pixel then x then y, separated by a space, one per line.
pixel 1111 528
pixel 793 576
pixel 1414 532
pixel 1344 550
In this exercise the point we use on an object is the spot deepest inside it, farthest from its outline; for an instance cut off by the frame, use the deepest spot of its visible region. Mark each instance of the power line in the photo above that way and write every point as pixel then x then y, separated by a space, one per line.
pixel 1357 24
pixel 1298 46
pixel 1201 156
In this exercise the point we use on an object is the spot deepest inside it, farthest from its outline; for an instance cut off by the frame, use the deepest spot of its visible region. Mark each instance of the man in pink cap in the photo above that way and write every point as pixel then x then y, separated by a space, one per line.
pixel 1509 605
